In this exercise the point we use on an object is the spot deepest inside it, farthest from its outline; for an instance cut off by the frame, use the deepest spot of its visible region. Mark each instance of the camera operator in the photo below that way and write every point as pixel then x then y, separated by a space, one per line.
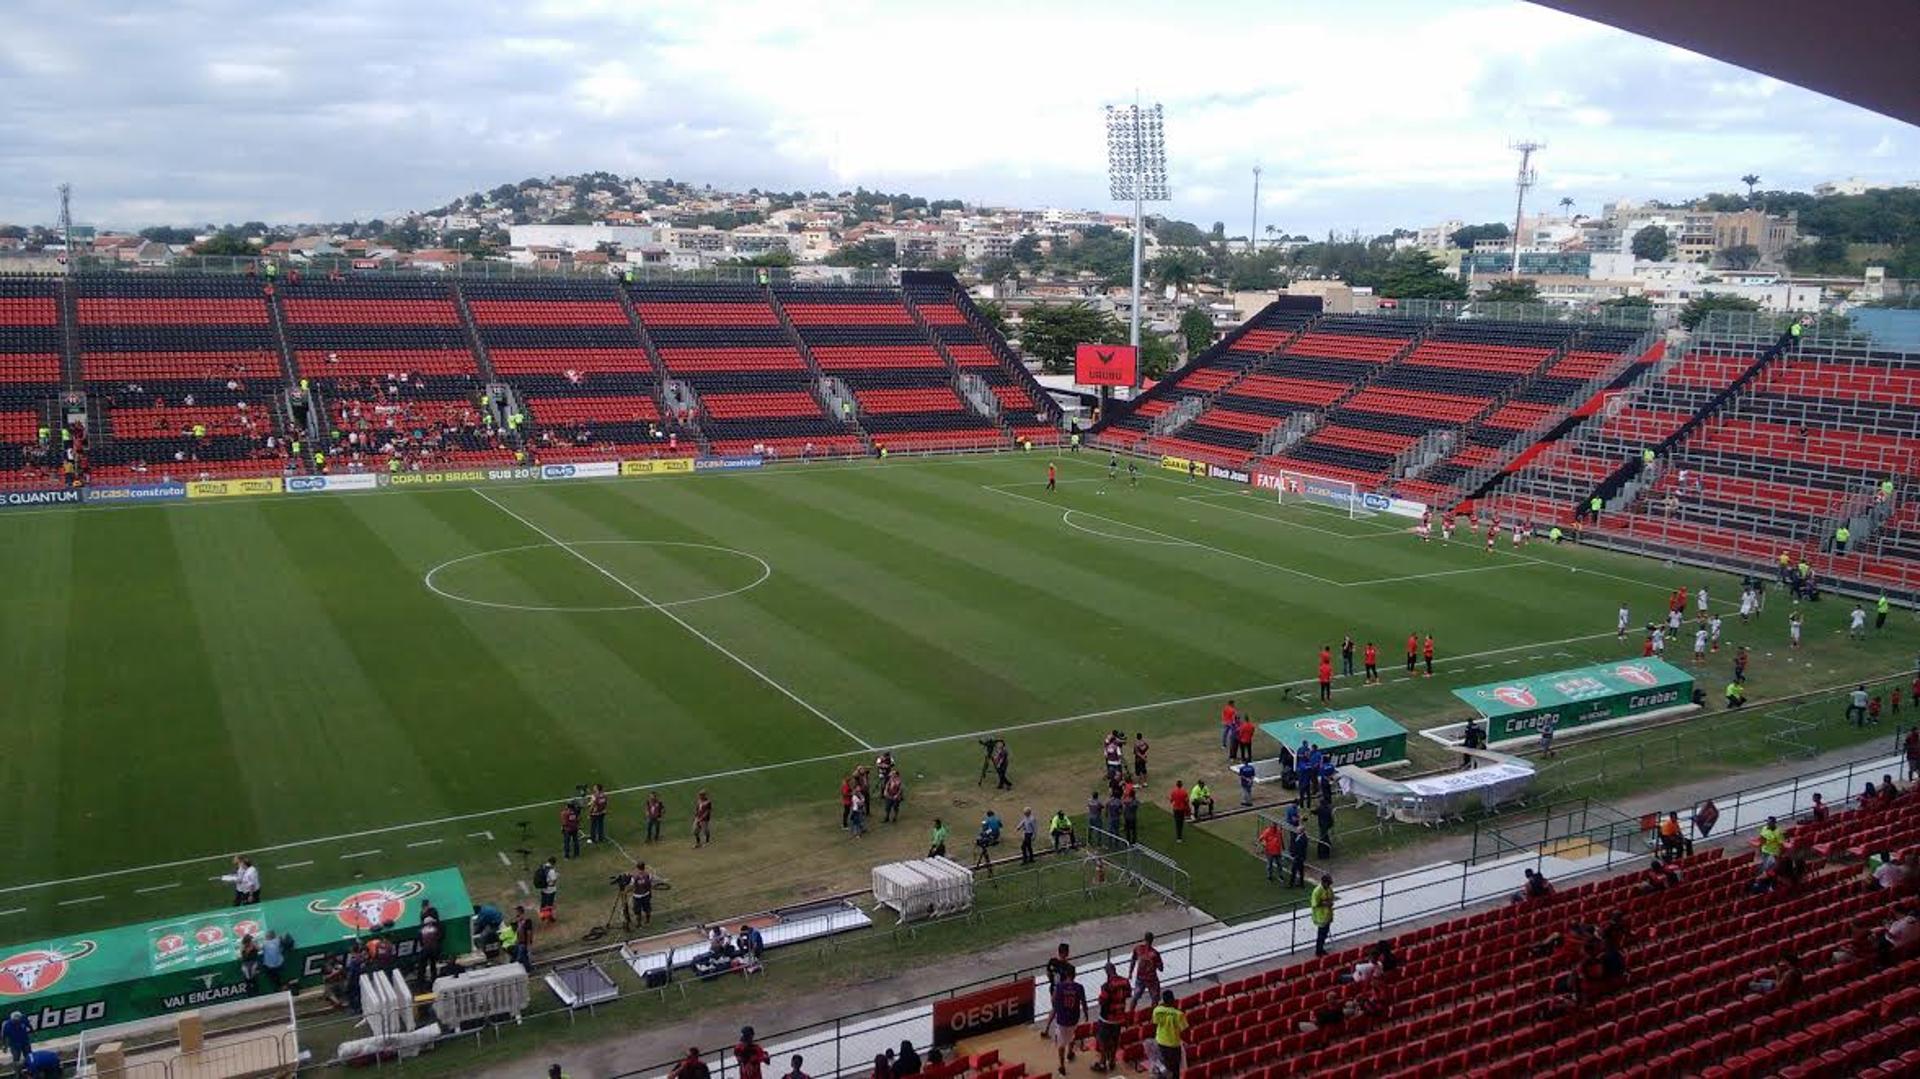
pixel 639 889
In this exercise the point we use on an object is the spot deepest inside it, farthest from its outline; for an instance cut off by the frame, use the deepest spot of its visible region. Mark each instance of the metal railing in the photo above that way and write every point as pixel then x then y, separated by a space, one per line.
pixel 1636 318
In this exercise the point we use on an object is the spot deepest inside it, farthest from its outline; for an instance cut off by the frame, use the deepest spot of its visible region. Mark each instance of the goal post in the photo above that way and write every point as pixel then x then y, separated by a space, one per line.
pixel 1294 488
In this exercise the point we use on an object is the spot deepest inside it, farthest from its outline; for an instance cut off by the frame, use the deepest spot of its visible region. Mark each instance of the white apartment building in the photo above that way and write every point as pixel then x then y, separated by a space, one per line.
pixel 582 237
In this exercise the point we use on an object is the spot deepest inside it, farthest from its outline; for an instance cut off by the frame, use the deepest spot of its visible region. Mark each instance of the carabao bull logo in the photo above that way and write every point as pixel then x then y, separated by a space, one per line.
pixel 247 928
pixel 1515 696
pixel 1334 730
pixel 1636 674
pixel 370 909
pixel 168 947
pixel 210 936
pixel 41 969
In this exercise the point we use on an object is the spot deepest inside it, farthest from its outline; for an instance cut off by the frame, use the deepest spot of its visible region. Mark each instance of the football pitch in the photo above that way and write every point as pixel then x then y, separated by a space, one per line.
pixel 357 685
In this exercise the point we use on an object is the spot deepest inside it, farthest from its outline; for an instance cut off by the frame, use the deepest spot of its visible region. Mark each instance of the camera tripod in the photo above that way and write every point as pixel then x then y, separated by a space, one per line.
pixel 620 909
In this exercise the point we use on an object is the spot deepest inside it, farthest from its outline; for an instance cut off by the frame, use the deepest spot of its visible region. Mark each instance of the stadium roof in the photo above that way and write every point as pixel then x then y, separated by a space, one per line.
pixel 1862 52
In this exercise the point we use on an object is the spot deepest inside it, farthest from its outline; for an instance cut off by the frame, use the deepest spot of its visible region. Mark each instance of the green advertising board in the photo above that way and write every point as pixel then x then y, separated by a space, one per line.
pixel 1362 736
pixel 81 980
pixel 1584 695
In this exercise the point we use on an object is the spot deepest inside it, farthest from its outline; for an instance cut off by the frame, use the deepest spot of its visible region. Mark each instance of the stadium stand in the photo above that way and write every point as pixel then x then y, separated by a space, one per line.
pixel 186 375
pixel 1664 984
pixel 904 387
pixel 30 381
pixel 393 371
pixel 957 328
pixel 573 354
pixel 755 388
pixel 1774 453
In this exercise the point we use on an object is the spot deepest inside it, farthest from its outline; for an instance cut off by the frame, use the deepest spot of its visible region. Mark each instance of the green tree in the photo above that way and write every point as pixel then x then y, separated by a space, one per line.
pixel 1566 203
pixel 776 258
pixel 864 253
pixel 1177 268
pixel 1752 180
pixel 1049 332
pixel 225 242
pixel 1465 238
pixel 1196 329
pixel 167 234
pixel 1157 354
pixel 1697 311
pixel 1026 251
pixel 1512 290
pixel 1652 243
pixel 1627 301
pixel 1740 257
pixel 998 269
pixel 1827 255
pixel 995 316
pixel 1416 275
pixel 1178 233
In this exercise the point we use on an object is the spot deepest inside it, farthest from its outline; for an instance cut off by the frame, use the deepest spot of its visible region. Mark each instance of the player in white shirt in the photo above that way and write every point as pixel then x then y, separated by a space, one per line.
pixel 1793 628
pixel 1857 622
pixel 1699 646
pixel 1746 604
pixel 1426 526
pixel 1621 624
pixel 1519 533
pixel 1673 621
pixel 1659 641
pixel 1713 632
pixel 1702 599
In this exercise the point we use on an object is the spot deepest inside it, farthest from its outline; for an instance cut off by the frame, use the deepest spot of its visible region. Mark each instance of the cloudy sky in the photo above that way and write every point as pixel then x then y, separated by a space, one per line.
pixel 1364 114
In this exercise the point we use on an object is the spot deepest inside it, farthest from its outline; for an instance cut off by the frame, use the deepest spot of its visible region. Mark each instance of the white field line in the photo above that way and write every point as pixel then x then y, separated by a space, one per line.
pixel 1207 500
pixel 1168 536
pixel 731 773
pixel 679 621
pixel 156 888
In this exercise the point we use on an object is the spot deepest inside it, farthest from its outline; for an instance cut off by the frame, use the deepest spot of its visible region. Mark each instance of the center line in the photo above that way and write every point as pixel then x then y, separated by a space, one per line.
pixel 681 622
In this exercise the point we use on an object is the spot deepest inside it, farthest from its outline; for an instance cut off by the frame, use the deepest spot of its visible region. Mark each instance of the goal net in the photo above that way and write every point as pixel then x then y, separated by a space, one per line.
pixel 1304 487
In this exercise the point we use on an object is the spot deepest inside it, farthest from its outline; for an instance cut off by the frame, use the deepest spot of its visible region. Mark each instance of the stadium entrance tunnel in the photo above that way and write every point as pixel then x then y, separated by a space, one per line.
pixel 598 575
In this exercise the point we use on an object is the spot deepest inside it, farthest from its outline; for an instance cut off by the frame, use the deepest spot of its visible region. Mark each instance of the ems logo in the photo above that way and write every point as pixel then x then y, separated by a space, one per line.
pixel 1636 674
pixel 39 970
pixel 370 909
pixel 1515 696
pixel 1334 730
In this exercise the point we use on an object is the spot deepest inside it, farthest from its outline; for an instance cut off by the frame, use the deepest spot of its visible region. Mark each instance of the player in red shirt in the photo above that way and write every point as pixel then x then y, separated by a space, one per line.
pixel 1426 526
pixel 1427 652
pixel 1493 533
pixel 1052 475
pixel 1229 720
pixel 1446 527
pixel 1413 650
pixel 1326 678
pixel 1181 804
pixel 1372 656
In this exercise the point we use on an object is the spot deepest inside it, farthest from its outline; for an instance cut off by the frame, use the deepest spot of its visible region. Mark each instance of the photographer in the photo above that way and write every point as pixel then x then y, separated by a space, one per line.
pixel 546 882
pixel 988 838
pixel 639 888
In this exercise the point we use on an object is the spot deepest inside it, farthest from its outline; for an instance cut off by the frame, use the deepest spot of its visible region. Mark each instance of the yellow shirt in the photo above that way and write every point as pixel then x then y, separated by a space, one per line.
pixel 1168 1024
pixel 1771 841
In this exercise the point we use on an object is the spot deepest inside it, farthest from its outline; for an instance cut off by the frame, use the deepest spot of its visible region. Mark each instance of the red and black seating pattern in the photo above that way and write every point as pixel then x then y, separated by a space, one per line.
pixel 569 348
pixel 187 373
pixel 1024 405
pixel 30 380
pixel 1486 994
pixel 1237 435
pixel 363 330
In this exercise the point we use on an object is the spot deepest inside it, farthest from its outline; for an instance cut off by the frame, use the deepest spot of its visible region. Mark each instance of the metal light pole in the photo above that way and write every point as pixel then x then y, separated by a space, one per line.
pixel 1136 170
pixel 1521 183
pixel 1253 232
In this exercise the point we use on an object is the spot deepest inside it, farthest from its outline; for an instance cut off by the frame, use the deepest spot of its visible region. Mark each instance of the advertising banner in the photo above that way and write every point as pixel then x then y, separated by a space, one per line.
pixel 252 485
pixel 703 464
pixel 309 484
pixel 585 470
pixel 1515 709
pixel 83 980
pixel 1176 464
pixel 1362 736
pixel 152 492
pixel 657 467
pixel 428 479
pixel 1215 472
pixel 1105 365
pixel 62 496
pixel 978 1012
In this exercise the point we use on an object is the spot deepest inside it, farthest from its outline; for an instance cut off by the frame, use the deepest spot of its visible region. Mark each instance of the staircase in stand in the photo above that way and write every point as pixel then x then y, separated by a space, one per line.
pixel 660 376
pixel 482 361
pixel 851 421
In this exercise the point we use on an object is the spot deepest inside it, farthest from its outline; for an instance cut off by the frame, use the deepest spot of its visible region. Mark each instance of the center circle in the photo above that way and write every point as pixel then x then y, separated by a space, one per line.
pixel 668 572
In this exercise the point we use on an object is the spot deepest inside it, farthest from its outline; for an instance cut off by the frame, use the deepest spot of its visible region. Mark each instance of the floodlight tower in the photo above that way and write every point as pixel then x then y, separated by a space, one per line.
pixel 1526 179
pixel 66 223
pixel 1253 231
pixel 1136 170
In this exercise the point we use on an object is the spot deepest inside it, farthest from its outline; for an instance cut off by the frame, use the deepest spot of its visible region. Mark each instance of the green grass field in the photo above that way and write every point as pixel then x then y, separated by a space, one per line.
pixel 366 684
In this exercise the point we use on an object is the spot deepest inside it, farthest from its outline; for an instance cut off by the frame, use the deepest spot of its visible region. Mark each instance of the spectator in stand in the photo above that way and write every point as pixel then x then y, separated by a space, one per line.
pixel 1901 878
pixel 1911 746
pixel 1780 981
pixel 1817 813
pixel 1901 937
pixel 1536 888
pixel 1115 1004
pixel 748 1055
pixel 1772 841
pixel 1147 965
pixel 691 1067
pixel 1169 1028
pixel 1658 877
pixel 905 1062
pixel 1069 1006
pixel 1673 841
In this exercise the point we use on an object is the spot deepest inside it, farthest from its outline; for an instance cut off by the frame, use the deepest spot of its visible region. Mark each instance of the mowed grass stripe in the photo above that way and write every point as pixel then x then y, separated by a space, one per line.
pixel 145 751
pixel 291 689
pixel 673 698
pixel 36 642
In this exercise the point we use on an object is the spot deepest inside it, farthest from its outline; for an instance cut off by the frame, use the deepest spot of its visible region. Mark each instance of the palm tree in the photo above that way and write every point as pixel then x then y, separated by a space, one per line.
pixel 1566 203
pixel 1752 181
